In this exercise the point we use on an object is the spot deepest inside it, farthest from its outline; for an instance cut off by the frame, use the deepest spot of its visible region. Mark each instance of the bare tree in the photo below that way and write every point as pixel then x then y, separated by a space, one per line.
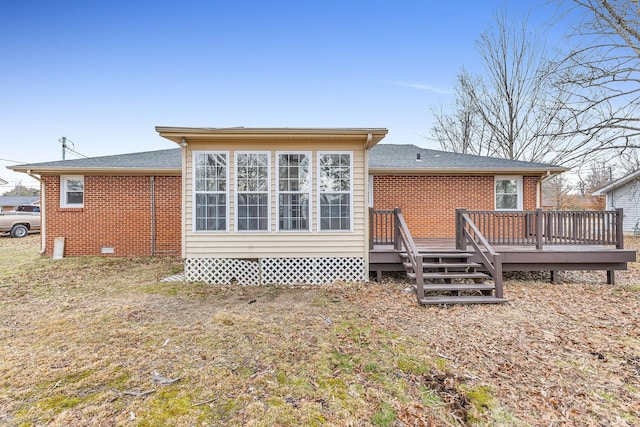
pixel 557 190
pixel 596 176
pixel 510 110
pixel 462 130
pixel 601 77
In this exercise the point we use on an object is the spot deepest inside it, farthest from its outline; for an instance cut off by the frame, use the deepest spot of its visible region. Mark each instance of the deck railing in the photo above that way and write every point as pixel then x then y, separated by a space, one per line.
pixel 467 233
pixel 382 227
pixel 388 227
pixel 539 228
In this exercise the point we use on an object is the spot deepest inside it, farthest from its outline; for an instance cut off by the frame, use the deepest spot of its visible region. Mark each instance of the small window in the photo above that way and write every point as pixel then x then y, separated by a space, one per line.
pixel 508 192
pixel 294 191
pixel 252 192
pixel 335 195
pixel 72 191
pixel 210 176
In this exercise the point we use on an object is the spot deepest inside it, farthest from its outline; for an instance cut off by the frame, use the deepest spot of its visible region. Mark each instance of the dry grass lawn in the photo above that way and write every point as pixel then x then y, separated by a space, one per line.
pixel 99 341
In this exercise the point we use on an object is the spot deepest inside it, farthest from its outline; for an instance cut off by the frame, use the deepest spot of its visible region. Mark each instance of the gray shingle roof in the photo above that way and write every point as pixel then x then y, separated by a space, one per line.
pixel 18 200
pixel 161 159
pixel 394 156
pixel 382 156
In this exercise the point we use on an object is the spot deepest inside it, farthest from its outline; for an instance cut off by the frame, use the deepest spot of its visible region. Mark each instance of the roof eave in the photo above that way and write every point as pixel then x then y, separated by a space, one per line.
pixel 371 135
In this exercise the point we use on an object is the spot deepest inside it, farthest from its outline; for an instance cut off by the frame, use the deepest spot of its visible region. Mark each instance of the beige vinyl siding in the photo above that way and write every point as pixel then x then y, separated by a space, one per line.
pixel 276 244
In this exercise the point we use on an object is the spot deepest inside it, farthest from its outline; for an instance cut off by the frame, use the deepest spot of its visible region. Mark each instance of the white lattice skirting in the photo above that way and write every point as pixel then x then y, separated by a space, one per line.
pixel 286 271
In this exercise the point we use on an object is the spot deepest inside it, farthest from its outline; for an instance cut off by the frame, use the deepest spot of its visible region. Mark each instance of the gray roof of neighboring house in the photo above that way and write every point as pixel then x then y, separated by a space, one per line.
pixel 18 200
pixel 381 157
pixel 401 157
pixel 616 184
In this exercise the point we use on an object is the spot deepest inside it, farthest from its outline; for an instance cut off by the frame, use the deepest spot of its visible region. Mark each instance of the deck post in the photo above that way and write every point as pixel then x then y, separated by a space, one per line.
pixel 539 232
pixel 419 270
pixel 396 229
pixel 611 277
pixel 460 229
pixel 619 233
pixel 371 227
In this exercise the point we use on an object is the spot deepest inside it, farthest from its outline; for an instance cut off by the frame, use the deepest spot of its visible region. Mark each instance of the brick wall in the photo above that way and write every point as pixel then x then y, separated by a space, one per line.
pixel 117 213
pixel 428 203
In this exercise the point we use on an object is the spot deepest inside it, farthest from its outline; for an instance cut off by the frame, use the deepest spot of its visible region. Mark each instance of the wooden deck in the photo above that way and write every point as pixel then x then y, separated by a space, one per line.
pixel 552 258
pixel 488 243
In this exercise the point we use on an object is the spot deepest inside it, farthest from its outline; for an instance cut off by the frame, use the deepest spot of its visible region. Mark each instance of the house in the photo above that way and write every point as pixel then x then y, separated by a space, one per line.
pixel 624 193
pixel 9 203
pixel 282 205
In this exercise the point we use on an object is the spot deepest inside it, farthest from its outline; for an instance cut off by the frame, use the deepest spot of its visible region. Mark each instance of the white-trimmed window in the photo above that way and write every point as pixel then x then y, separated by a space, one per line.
pixel 211 190
pixel 252 191
pixel 294 191
pixel 335 191
pixel 508 193
pixel 71 191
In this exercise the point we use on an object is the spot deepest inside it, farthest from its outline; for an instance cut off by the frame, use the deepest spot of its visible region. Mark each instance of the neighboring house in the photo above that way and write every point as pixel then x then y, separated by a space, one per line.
pixel 269 205
pixel 624 193
pixel 9 203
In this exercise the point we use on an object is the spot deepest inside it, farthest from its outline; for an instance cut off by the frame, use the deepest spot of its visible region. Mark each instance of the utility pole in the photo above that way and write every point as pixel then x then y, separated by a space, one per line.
pixel 64 146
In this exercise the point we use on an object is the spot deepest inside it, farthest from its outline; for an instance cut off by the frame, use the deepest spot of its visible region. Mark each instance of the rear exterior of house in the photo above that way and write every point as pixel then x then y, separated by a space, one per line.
pixel 269 205
pixel 274 205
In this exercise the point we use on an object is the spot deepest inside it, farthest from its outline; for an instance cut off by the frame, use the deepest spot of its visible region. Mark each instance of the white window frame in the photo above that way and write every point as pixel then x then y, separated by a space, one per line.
pixel 194 192
pixel 237 192
pixel 63 191
pixel 319 194
pixel 519 192
pixel 309 192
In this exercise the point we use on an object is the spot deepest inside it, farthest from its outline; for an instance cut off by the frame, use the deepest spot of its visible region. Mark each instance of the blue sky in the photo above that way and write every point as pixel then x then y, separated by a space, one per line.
pixel 103 74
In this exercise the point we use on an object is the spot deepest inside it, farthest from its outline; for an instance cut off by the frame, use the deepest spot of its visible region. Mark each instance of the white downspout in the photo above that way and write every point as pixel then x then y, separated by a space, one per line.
pixel 43 217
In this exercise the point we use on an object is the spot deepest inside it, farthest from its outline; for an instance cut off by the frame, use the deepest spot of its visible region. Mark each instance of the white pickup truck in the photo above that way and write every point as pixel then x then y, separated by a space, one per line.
pixel 19 224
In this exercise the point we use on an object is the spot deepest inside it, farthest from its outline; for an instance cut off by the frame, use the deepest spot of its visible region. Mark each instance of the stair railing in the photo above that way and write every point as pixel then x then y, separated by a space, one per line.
pixel 468 233
pixel 404 241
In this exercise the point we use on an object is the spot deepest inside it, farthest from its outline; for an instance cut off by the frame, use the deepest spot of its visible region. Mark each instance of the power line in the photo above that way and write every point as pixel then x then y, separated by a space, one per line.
pixel 11 161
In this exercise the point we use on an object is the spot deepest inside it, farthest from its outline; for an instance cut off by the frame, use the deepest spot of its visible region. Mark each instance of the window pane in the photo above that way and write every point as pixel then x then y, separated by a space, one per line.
pixel 335 172
pixel 506 201
pixel 75 185
pixel 506 186
pixel 253 212
pixel 293 211
pixel 335 212
pixel 75 198
pixel 211 212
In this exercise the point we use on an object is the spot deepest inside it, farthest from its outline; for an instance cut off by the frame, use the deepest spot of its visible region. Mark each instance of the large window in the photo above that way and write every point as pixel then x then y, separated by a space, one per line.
pixel 72 191
pixel 210 176
pixel 335 191
pixel 294 191
pixel 508 192
pixel 252 191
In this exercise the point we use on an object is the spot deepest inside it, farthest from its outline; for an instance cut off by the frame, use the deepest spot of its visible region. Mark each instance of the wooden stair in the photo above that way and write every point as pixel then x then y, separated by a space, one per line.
pixel 450 278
